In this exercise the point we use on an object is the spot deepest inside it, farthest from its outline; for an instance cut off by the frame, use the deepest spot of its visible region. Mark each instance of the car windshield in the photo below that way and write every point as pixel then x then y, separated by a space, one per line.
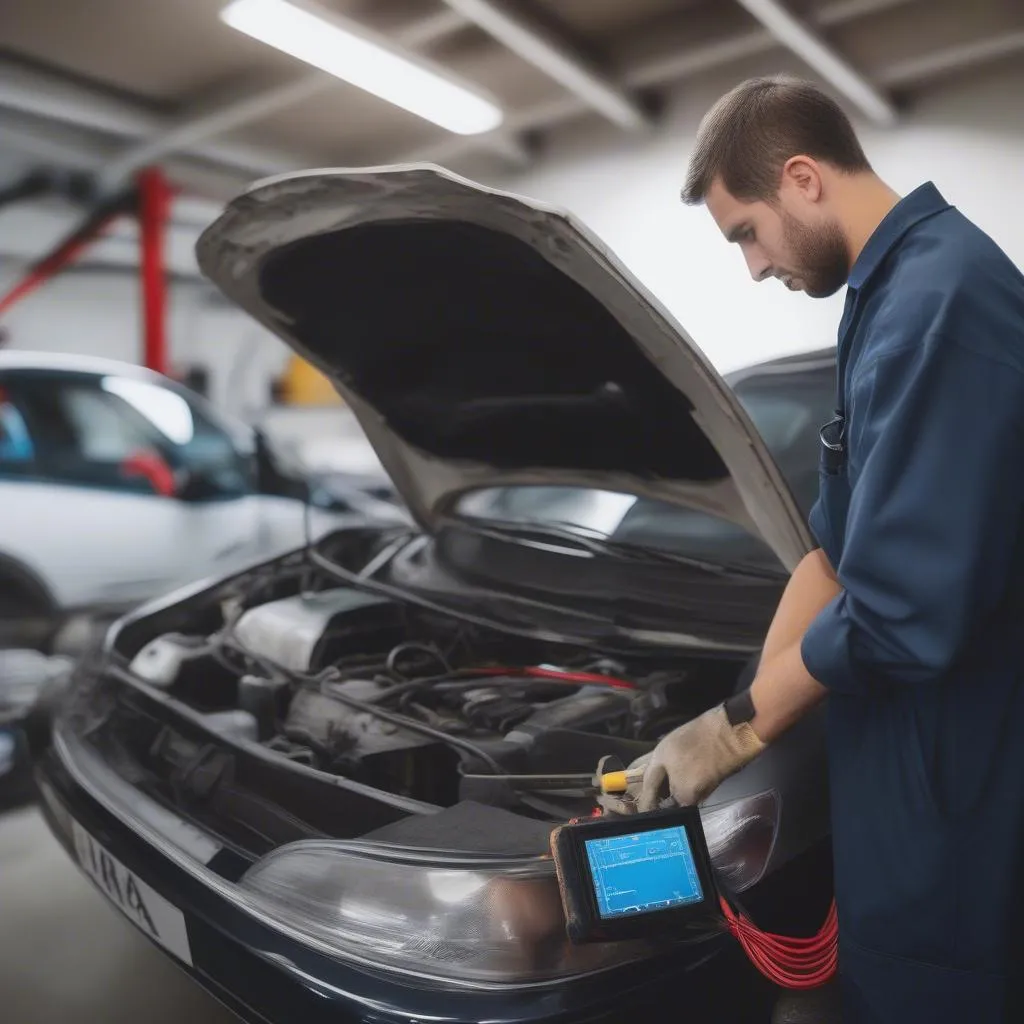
pixel 787 408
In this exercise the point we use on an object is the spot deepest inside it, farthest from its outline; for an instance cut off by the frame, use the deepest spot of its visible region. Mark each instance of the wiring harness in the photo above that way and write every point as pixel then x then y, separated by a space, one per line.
pixel 788 962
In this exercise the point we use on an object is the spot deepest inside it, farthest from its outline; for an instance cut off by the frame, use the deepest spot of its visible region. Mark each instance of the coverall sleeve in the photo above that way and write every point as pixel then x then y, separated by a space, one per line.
pixel 936 462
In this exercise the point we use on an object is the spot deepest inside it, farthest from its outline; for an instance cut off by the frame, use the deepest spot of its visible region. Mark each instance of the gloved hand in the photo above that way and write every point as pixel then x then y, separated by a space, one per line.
pixel 624 803
pixel 695 758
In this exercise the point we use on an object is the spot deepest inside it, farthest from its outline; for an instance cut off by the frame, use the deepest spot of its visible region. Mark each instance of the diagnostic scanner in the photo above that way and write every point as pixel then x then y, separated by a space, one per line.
pixel 635 876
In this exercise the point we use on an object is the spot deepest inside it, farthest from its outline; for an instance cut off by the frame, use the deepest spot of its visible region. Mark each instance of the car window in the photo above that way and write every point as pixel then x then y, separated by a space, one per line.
pixel 787 409
pixel 127 434
pixel 17 450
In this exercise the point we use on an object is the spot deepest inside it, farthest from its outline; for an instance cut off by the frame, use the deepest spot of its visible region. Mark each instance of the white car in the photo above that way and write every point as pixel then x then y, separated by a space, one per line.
pixel 117 485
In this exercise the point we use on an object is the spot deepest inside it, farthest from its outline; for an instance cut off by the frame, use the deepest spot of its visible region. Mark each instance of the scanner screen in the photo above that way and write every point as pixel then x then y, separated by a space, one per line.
pixel 643 872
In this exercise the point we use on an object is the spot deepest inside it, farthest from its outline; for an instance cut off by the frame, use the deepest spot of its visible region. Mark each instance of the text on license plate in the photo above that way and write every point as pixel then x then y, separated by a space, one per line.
pixel 142 905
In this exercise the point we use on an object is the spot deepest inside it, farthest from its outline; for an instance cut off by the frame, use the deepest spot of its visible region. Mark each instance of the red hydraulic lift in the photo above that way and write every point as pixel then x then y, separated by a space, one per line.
pixel 150 199
pixel 155 196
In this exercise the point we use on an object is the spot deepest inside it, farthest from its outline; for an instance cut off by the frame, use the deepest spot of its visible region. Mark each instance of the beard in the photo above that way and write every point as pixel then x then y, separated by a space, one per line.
pixel 819 255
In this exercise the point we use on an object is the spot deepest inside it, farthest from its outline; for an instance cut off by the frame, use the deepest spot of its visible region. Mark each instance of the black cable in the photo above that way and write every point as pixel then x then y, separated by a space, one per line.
pixel 414 645
pixel 410 686
pixel 574 783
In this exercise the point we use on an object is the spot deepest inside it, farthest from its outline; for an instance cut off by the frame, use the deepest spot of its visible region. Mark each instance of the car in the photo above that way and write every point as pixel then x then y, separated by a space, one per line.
pixel 323 785
pixel 29 683
pixel 118 484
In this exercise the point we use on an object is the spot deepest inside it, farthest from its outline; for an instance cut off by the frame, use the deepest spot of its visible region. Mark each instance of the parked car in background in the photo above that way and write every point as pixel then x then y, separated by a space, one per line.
pixel 116 485
pixel 30 682
pixel 311 782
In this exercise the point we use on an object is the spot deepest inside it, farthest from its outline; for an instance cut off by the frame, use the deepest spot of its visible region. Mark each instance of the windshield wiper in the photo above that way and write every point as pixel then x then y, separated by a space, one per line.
pixel 596 543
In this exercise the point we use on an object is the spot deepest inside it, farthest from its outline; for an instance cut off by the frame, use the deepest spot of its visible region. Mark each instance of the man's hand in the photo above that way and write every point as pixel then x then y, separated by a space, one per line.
pixel 695 758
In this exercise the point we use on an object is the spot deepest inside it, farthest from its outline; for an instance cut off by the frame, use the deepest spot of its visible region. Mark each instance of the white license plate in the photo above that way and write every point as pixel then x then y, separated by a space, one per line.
pixel 142 905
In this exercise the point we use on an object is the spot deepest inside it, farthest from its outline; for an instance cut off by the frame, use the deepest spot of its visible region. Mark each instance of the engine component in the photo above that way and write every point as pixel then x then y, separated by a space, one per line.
pixel 342 732
pixel 235 724
pixel 490 709
pixel 160 661
pixel 265 699
pixel 602 707
pixel 369 749
pixel 667 700
pixel 308 631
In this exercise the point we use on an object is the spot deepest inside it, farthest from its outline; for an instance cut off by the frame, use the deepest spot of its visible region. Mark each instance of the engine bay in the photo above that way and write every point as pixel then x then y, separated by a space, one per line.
pixel 418 704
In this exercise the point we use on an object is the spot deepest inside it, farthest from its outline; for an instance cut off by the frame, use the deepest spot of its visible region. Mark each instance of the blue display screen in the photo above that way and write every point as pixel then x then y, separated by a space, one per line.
pixel 643 871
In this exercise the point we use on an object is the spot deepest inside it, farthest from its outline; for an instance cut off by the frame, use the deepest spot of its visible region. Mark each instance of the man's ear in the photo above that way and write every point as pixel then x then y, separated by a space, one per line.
pixel 802 175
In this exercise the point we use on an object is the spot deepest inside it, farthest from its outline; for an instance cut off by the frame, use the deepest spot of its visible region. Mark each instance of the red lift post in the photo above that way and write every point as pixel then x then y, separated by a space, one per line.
pixel 154 207
pixel 150 199
pixel 70 248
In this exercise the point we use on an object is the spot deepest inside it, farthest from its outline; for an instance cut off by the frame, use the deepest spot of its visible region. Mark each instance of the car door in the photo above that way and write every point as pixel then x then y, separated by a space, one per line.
pixel 121 488
pixel 219 513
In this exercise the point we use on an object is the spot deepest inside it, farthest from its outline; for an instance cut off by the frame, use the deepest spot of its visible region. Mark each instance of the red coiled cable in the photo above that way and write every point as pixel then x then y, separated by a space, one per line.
pixel 788 962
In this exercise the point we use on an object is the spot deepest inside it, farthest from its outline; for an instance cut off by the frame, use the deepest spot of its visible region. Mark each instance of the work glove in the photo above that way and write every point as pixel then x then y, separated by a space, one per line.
pixel 693 760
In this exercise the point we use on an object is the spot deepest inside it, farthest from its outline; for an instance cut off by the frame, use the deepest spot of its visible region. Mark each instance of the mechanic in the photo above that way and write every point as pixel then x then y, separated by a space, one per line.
pixel 908 614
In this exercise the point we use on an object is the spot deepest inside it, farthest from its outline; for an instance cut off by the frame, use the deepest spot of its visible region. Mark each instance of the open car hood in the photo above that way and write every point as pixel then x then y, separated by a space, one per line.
pixel 483 339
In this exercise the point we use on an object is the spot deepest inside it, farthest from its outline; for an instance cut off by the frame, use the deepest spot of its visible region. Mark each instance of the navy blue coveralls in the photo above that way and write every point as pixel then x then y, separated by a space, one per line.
pixel 921 514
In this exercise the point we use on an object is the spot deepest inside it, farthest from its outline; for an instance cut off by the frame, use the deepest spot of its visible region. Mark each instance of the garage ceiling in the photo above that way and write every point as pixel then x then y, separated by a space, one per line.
pixel 110 85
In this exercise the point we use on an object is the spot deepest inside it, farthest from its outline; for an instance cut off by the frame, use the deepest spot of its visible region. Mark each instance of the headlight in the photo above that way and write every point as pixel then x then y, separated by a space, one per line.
pixel 470 922
pixel 741 837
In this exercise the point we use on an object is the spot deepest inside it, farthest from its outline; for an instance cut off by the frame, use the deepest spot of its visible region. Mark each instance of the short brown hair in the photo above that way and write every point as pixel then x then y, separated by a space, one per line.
pixel 749 134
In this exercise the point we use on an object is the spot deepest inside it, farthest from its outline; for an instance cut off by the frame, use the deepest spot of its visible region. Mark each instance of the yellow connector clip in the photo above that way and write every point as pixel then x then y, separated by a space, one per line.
pixel 619 782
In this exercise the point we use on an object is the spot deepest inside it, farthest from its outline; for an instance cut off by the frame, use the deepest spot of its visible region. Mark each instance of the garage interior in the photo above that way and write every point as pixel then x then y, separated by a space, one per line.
pixel 126 127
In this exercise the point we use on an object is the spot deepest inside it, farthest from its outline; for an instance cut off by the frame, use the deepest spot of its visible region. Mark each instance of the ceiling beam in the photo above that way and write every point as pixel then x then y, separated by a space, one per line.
pixel 45 95
pixel 241 104
pixel 914 70
pixel 799 37
pixel 45 147
pixel 695 60
pixel 658 72
pixel 225 111
pixel 81 150
pixel 537 44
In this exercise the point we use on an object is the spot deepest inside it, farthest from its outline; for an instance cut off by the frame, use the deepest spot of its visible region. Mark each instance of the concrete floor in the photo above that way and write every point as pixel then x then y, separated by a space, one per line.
pixel 67 957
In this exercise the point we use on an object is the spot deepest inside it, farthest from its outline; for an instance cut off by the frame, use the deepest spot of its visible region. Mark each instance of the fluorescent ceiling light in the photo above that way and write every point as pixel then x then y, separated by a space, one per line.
pixel 364 59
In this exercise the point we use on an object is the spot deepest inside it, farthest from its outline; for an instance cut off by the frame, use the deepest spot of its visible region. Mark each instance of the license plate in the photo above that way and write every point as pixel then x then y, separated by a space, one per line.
pixel 142 905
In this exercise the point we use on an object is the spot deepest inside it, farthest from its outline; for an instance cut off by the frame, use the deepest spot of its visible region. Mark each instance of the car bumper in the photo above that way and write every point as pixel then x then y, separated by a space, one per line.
pixel 267 976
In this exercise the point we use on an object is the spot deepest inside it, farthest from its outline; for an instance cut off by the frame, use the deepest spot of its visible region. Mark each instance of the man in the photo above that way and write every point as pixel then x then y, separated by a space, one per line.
pixel 908 615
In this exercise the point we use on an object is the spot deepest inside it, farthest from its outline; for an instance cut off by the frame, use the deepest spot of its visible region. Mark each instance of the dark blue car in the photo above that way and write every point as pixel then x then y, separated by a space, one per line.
pixel 323 785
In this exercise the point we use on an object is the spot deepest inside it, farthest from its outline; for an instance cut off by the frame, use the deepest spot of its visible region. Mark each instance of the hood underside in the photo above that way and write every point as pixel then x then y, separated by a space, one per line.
pixel 485 340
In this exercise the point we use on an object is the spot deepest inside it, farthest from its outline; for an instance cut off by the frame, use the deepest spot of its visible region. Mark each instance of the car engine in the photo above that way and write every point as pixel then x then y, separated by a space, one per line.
pixel 421 705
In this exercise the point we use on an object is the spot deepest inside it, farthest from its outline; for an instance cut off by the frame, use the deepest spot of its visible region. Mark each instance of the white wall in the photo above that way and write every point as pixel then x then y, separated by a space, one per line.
pixel 968 138
pixel 99 313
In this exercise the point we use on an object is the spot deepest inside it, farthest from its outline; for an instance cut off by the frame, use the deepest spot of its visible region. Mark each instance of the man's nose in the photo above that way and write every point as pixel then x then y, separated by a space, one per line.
pixel 757 263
